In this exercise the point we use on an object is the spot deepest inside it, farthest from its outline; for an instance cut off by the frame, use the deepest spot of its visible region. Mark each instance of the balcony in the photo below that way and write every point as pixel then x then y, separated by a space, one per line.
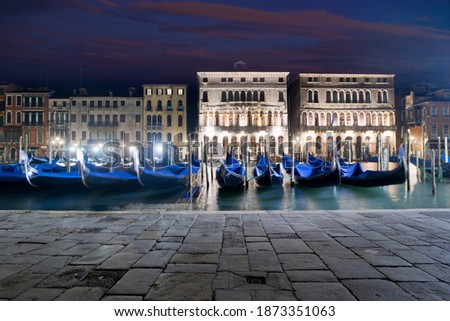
pixel 103 124
pixel 155 128
pixel 247 129
pixel 345 128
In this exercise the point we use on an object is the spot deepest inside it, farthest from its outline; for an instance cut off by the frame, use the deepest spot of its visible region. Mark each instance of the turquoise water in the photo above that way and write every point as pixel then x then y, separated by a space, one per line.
pixel 339 197
pixel 282 198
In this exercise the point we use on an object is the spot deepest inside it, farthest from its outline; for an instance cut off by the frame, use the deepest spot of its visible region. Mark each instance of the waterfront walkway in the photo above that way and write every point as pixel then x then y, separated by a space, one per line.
pixel 263 255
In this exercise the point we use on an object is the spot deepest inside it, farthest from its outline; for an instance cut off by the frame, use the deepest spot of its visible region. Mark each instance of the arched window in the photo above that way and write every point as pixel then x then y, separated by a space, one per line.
pixel 316 96
pixel 205 96
pixel 169 120
pixel 180 105
pixel 367 100
pixel 262 96
pixel 361 97
pixel 335 96
pixel 255 96
pixel 154 120
pixel 249 96
pixel 149 120
pixel 242 95
pixel 348 98
pixel 379 98
pixel 169 104
pixel 180 120
pixel 159 105
pixel 149 105
pixel 304 119
pixel 236 96
pixel 8 118
pixel 169 137
pixel 18 118
pixel 224 96
pixel 230 96
pixel 328 96
pixel 180 137
pixel 354 97
pixel 310 96
pixel 385 98
pixel 149 137
pixel 341 97
pixel 159 120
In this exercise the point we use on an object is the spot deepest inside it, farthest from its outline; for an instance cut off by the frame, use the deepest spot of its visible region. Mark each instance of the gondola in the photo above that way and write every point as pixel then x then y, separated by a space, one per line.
pixel 14 174
pixel 55 175
pixel 313 173
pixel 161 179
pixel 231 173
pixel 353 174
pixel 266 173
pixel 112 176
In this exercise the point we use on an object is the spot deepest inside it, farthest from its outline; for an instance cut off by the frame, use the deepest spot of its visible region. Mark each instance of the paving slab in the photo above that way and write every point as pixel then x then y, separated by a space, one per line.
pixel 135 282
pixel 322 291
pixel 376 290
pixel 181 287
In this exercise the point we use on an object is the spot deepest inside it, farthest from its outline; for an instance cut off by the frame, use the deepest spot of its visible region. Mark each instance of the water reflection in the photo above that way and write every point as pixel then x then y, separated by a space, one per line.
pixel 282 197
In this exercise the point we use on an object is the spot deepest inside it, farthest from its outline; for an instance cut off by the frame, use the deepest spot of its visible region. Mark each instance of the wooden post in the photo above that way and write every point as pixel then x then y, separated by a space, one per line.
pixel 293 160
pixel 247 160
pixel 417 160
pixel 446 149
pixel 190 166
pixel 439 160
pixel 407 152
pixel 433 177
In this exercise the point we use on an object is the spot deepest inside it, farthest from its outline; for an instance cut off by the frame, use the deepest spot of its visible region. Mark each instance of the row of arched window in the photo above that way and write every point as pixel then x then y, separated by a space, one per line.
pixel 243 119
pixel 157 137
pixel 372 118
pixel 347 97
pixel 159 105
pixel 242 95
pixel 157 120
pixel 26 118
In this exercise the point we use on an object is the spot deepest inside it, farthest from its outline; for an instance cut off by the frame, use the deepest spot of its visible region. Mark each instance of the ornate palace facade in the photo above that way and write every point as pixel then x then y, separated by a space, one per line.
pixel 347 111
pixel 240 106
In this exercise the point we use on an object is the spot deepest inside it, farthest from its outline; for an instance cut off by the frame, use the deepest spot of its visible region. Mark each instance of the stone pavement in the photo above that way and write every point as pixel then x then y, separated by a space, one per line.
pixel 262 255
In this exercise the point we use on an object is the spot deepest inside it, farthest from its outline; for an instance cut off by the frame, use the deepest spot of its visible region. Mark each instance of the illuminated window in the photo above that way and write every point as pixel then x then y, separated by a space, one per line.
pixel 149 91
pixel 169 91
pixel 159 91
pixel 180 91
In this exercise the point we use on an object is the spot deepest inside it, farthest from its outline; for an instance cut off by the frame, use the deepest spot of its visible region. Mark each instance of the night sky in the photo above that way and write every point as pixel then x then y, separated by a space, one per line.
pixel 117 44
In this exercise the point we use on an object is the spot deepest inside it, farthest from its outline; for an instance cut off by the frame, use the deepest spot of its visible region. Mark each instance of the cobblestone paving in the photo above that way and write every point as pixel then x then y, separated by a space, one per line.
pixel 266 255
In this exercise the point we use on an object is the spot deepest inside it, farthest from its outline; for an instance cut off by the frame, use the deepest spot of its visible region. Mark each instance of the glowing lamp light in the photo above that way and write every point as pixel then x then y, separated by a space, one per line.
pixel 158 148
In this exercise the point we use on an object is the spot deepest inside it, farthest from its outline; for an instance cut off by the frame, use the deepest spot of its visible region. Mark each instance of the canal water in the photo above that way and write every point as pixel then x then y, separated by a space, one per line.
pixel 339 197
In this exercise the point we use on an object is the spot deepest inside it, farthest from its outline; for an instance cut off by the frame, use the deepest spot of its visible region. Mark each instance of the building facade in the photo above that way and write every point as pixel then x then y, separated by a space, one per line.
pixel 164 113
pixel 349 112
pixel 95 120
pixel 428 118
pixel 24 123
pixel 58 124
pixel 239 106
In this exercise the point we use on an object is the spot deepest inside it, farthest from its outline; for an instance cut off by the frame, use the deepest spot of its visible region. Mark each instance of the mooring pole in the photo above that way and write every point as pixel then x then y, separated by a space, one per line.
pixel 446 149
pixel 292 160
pixel 433 177
pixel 439 160
pixel 417 160
pixel 408 152
pixel 247 159
pixel 190 166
